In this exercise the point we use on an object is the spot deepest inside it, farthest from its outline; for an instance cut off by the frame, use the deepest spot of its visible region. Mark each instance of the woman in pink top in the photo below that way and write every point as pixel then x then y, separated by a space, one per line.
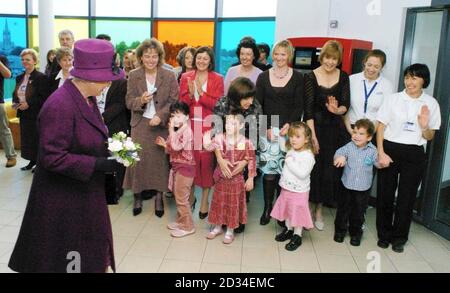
pixel 248 55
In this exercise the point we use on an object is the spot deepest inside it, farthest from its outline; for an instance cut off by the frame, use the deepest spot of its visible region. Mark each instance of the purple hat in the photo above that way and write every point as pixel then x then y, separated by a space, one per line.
pixel 94 61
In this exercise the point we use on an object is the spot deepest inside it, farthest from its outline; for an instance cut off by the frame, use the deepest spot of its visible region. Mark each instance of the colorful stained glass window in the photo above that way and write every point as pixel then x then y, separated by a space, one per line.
pixel 175 35
pixel 79 27
pixel 231 32
pixel 125 34
pixel 13 39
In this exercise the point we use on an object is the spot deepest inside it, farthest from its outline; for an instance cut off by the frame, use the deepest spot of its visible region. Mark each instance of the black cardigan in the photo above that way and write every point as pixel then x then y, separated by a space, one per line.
pixel 287 102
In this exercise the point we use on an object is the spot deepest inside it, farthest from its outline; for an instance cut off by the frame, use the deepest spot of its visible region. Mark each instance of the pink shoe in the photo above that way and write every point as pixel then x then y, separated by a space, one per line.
pixel 181 233
pixel 211 235
pixel 228 239
pixel 172 226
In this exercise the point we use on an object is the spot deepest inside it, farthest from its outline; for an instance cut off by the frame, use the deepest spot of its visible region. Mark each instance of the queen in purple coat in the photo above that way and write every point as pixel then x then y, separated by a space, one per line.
pixel 66 226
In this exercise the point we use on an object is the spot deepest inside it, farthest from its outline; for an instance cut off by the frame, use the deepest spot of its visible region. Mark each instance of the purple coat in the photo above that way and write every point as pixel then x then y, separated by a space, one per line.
pixel 66 210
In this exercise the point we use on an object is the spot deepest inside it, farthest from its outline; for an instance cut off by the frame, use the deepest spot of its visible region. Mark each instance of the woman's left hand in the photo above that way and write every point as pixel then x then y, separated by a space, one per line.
pixel 424 117
pixel 23 106
pixel 155 121
pixel 239 167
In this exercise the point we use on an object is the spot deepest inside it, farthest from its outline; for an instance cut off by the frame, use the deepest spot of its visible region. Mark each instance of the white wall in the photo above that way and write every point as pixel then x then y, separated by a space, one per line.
pixel 384 26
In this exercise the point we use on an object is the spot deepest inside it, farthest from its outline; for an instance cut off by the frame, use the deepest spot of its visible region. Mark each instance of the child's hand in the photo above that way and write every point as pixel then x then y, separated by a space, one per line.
pixel 171 124
pixel 161 142
pixel 284 130
pixel 249 185
pixel 340 162
pixel 384 160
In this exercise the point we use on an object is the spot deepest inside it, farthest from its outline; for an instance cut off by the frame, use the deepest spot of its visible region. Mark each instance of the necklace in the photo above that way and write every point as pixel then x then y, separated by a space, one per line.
pixel 281 76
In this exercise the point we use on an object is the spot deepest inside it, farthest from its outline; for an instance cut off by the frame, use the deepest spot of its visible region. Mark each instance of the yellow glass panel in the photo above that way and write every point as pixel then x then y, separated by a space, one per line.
pixel 79 27
pixel 177 34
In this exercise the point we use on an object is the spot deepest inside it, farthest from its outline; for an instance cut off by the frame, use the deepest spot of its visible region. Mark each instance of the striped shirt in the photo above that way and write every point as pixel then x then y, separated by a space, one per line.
pixel 358 170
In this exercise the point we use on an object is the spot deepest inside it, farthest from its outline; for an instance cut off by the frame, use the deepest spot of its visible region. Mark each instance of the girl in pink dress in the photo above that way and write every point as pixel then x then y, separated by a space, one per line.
pixel 292 204
pixel 228 205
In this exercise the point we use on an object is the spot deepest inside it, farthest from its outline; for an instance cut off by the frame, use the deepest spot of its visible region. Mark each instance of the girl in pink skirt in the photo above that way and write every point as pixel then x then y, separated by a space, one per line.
pixel 292 204
pixel 228 205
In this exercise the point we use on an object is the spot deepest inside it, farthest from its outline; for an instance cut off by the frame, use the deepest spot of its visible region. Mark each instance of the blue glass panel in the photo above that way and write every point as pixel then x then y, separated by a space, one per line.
pixel 231 32
pixel 13 39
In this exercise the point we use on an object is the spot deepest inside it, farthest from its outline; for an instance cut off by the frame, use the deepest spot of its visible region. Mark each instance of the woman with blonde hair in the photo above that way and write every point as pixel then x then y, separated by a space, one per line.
pixel 280 91
pixel 29 95
pixel 328 90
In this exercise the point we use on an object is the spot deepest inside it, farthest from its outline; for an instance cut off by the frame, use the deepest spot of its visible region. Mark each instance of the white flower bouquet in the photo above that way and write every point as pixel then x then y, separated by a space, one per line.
pixel 123 149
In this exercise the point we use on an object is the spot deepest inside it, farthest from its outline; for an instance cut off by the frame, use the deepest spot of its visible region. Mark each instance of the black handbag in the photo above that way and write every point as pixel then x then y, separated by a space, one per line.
pixel 112 189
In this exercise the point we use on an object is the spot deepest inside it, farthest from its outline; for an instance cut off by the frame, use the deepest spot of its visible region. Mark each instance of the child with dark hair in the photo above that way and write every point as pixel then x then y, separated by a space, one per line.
pixel 179 145
pixel 358 158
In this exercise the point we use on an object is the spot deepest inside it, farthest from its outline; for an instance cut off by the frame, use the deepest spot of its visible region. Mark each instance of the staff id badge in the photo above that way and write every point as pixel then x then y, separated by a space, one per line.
pixel 409 126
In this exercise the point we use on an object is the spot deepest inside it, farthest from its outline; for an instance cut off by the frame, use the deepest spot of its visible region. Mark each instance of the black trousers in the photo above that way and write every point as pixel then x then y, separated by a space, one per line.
pixel 350 211
pixel 406 172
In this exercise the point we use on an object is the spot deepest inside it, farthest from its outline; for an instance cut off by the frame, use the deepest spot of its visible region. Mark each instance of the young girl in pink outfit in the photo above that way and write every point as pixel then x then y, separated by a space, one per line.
pixel 179 145
pixel 228 205
pixel 292 205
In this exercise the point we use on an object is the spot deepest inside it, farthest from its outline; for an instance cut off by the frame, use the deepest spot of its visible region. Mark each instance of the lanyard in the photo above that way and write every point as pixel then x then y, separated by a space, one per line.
pixel 366 101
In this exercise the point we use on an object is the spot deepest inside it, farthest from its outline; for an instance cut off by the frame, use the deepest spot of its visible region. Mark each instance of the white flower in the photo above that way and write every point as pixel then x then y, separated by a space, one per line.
pixel 115 146
pixel 129 145
pixel 126 163
pixel 122 135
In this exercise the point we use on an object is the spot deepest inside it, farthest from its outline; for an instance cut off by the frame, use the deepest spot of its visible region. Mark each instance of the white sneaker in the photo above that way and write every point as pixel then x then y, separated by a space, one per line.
pixel 319 225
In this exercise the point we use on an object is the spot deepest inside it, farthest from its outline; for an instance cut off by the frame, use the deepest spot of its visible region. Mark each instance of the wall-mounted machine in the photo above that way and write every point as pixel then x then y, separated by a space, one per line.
pixel 307 51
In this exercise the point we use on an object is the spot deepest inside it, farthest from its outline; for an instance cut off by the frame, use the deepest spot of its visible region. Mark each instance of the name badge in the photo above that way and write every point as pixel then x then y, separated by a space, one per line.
pixel 409 126
pixel 368 161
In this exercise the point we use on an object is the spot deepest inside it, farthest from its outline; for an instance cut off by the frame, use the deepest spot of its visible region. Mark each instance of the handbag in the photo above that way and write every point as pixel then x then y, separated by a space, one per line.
pixel 112 189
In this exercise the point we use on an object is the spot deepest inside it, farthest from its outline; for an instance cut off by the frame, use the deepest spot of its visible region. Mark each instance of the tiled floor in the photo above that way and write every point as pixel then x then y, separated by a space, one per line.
pixel 143 244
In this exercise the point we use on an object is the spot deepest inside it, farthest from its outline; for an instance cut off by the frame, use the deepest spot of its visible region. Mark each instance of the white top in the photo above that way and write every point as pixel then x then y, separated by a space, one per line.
pixel 21 91
pixel 61 78
pixel 101 100
pixel 296 171
pixel 150 111
pixel 204 87
pixel 399 113
pixel 358 96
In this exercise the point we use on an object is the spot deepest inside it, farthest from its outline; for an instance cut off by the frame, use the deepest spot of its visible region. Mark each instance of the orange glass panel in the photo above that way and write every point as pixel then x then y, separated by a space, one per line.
pixel 175 35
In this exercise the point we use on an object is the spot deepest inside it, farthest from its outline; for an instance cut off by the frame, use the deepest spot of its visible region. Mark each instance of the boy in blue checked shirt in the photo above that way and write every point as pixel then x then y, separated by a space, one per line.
pixel 358 158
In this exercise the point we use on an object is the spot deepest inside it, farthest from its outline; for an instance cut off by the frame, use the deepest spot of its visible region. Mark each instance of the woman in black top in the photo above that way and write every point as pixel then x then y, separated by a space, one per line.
pixel 29 95
pixel 280 91
pixel 328 89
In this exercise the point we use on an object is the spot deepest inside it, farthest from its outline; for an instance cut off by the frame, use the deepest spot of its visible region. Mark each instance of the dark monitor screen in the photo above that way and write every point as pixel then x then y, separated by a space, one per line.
pixel 304 57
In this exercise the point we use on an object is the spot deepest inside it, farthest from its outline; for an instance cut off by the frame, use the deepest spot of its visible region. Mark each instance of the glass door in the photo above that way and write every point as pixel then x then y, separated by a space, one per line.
pixel 422 45
pixel 427 40
pixel 443 203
